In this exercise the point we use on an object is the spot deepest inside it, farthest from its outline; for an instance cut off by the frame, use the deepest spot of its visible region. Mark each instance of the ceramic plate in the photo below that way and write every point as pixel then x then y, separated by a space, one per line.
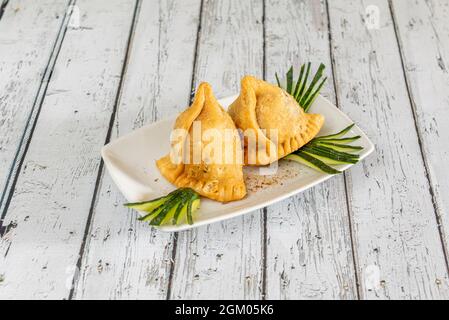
pixel 130 161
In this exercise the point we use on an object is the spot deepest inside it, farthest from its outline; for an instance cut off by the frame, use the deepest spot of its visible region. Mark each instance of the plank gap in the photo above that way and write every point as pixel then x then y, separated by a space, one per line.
pixel 3 7
pixel 348 207
pixel 192 95
pixel 264 210
pixel 425 160
pixel 33 117
pixel 108 138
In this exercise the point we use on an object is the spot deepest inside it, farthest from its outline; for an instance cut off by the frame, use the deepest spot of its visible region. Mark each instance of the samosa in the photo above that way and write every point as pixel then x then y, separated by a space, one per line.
pixel 208 154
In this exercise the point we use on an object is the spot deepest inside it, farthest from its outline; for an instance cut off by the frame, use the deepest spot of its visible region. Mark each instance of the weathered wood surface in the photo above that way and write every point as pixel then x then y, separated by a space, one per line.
pixel 125 258
pixel 52 197
pixel 29 38
pixel 224 260
pixel 394 226
pixel 309 254
pixel 66 89
pixel 424 37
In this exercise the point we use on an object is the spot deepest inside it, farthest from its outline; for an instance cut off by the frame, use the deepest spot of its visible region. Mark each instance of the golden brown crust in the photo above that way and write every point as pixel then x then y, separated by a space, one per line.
pixel 221 182
pixel 262 107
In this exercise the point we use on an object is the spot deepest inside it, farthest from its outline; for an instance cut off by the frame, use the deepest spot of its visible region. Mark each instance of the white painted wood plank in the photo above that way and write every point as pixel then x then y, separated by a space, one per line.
pixel 399 252
pixel 224 260
pixel 309 254
pixel 28 33
pixel 424 35
pixel 51 202
pixel 126 258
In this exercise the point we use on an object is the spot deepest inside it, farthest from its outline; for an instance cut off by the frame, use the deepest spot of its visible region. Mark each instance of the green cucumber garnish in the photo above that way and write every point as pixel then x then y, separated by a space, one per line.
pixel 147 206
pixel 324 151
pixel 338 147
pixel 169 209
pixel 333 149
pixel 330 153
pixel 340 141
pixel 311 162
pixel 303 90
pixel 338 134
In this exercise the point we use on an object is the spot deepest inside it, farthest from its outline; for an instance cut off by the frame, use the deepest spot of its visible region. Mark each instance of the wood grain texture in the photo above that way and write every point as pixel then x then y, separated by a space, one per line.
pixel 126 258
pixel 398 249
pixel 28 36
pixel 224 260
pixel 387 210
pixel 52 197
pixel 424 37
pixel 309 254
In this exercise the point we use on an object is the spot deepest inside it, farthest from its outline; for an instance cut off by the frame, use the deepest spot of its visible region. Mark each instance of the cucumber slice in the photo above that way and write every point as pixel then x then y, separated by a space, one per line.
pixel 166 208
pixel 303 87
pixel 340 141
pixel 326 160
pixel 169 217
pixel 311 162
pixel 298 83
pixel 181 210
pixel 308 96
pixel 191 204
pixel 169 209
pixel 303 91
pixel 196 204
pixel 189 213
pixel 277 80
pixel 290 80
pixel 152 214
pixel 147 206
pixel 191 201
pixel 331 154
pixel 338 134
pixel 182 214
pixel 337 147
pixel 328 150
pixel 313 96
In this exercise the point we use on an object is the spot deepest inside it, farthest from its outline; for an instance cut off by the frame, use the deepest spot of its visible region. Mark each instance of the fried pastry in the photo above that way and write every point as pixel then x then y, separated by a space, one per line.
pixel 270 115
pixel 210 163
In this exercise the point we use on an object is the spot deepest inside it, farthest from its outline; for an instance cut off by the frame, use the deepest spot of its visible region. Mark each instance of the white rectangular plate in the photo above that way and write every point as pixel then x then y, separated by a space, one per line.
pixel 130 161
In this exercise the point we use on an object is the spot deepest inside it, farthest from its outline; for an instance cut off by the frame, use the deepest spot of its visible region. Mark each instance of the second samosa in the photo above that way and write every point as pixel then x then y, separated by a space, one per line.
pixel 273 123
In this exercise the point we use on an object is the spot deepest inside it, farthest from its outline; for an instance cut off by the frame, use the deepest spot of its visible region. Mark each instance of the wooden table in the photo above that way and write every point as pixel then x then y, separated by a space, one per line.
pixel 76 74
